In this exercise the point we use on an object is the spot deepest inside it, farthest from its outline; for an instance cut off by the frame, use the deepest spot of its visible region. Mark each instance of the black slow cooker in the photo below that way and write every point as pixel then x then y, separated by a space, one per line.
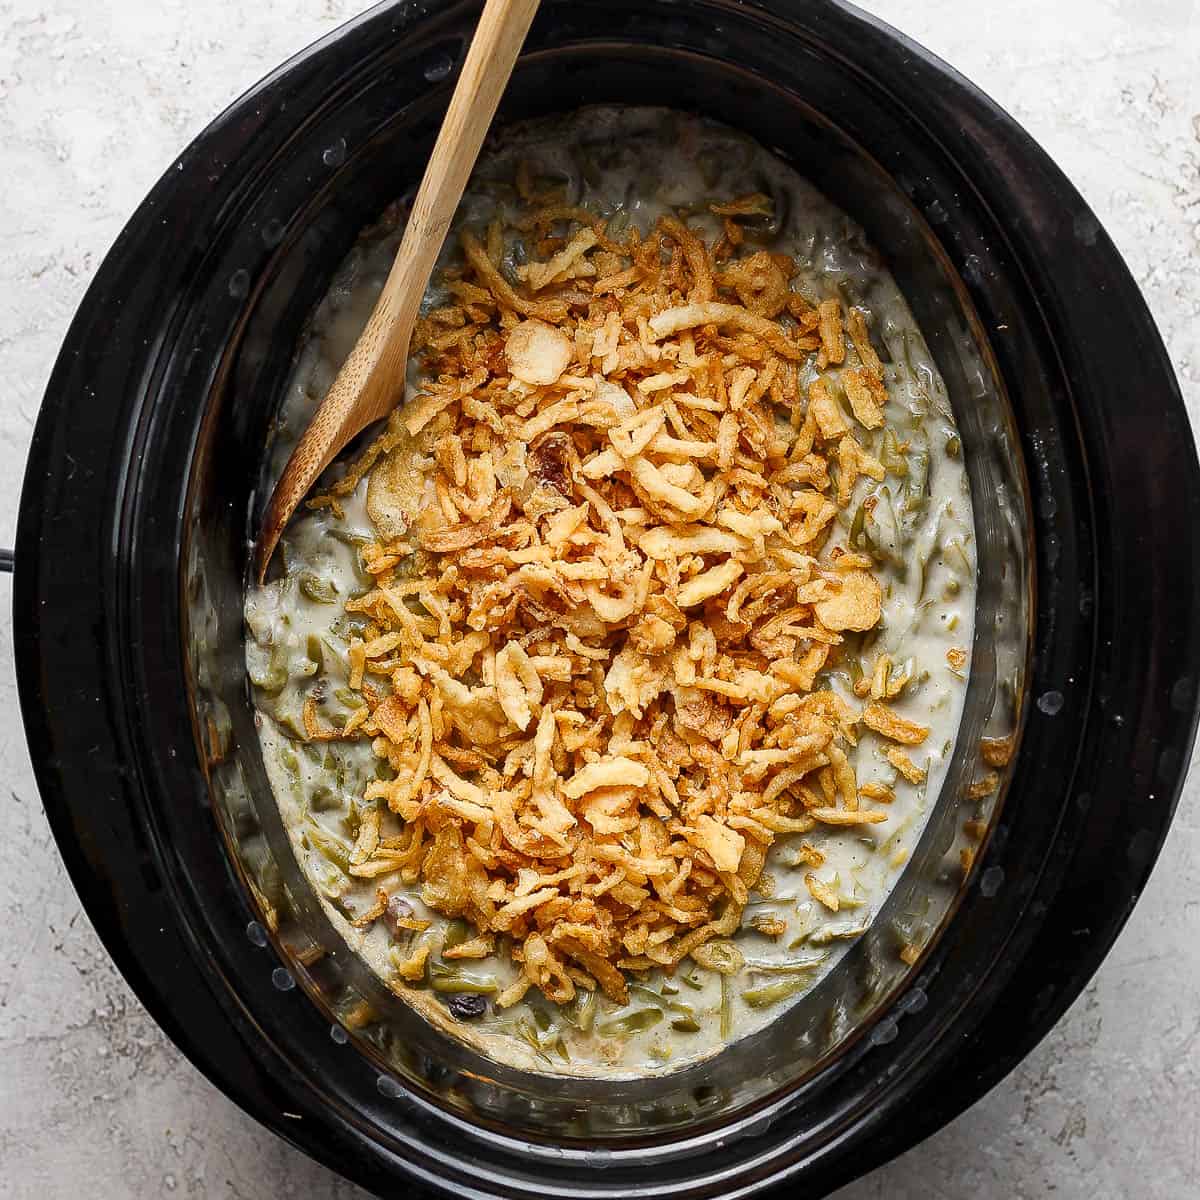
pixel 140 503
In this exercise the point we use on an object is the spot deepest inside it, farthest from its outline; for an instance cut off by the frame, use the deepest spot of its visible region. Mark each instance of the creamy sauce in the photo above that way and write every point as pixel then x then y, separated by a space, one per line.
pixel 635 165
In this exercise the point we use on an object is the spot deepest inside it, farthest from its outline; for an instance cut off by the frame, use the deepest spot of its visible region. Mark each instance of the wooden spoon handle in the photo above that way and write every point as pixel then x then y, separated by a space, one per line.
pixel 371 380
pixel 485 73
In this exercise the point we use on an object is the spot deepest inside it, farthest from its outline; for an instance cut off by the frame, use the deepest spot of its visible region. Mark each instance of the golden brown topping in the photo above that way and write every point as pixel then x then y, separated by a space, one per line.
pixel 867 397
pixel 771 927
pixel 889 724
pixel 823 892
pixel 856 604
pixel 827 414
pixel 413 967
pixel 985 785
pixel 996 751
pixel 606 583
pixel 809 856
pixel 833 347
pixel 857 322
pixel 840 816
pixel 905 765
pixel 537 353
pixel 877 791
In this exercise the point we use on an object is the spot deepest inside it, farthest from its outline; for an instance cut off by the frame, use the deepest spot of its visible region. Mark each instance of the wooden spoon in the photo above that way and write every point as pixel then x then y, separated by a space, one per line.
pixel 371 381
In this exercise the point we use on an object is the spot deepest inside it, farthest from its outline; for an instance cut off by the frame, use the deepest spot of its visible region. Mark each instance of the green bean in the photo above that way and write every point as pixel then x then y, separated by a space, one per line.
pixel 893 461
pixel 352 821
pixel 720 956
pixel 331 643
pixel 953 446
pixel 587 1013
pixel 822 937
pixel 290 763
pixel 273 677
pixel 923 573
pixel 328 846
pixel 347 697
pixel 400 953
pixel 290 726
pixel 314 651
pixel 806 927
pixel 322 798
pixel 918 481
pixel 647 993
pixel 882 529
pixel 635 1022
pixel 686 1025
pixel 785 968
pixel 349 537
pixel 453 979
pixel 726 1010
pixel 834 474
pixel 668 988
pixel 319 591
pixel 657 999
pixel 581 1012
pixel 561 1047
pixel 329 879
pixel 856 669
pixel 526 1032
pixel 347 626
pixel 858 524
pixel 772 993
pixel 306 669
pixel 903 677
pixel 691 980
pixel 457 932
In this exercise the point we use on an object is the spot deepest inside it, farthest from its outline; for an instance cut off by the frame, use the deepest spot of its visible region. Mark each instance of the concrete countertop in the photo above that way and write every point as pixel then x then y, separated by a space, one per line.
pixel 96 97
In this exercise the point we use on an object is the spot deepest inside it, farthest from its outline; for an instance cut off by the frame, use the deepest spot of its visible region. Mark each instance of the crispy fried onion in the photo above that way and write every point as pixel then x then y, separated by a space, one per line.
pixel 588 664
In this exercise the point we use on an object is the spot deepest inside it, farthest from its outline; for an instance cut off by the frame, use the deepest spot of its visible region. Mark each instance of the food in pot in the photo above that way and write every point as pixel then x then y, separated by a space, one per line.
pixel 605 691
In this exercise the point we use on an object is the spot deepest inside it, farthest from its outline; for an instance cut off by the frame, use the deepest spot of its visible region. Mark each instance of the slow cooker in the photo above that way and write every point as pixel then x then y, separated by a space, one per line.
pixel 140 506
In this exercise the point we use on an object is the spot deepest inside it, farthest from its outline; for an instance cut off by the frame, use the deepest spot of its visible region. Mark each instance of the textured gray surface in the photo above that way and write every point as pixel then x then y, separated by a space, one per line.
pixel 96 96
